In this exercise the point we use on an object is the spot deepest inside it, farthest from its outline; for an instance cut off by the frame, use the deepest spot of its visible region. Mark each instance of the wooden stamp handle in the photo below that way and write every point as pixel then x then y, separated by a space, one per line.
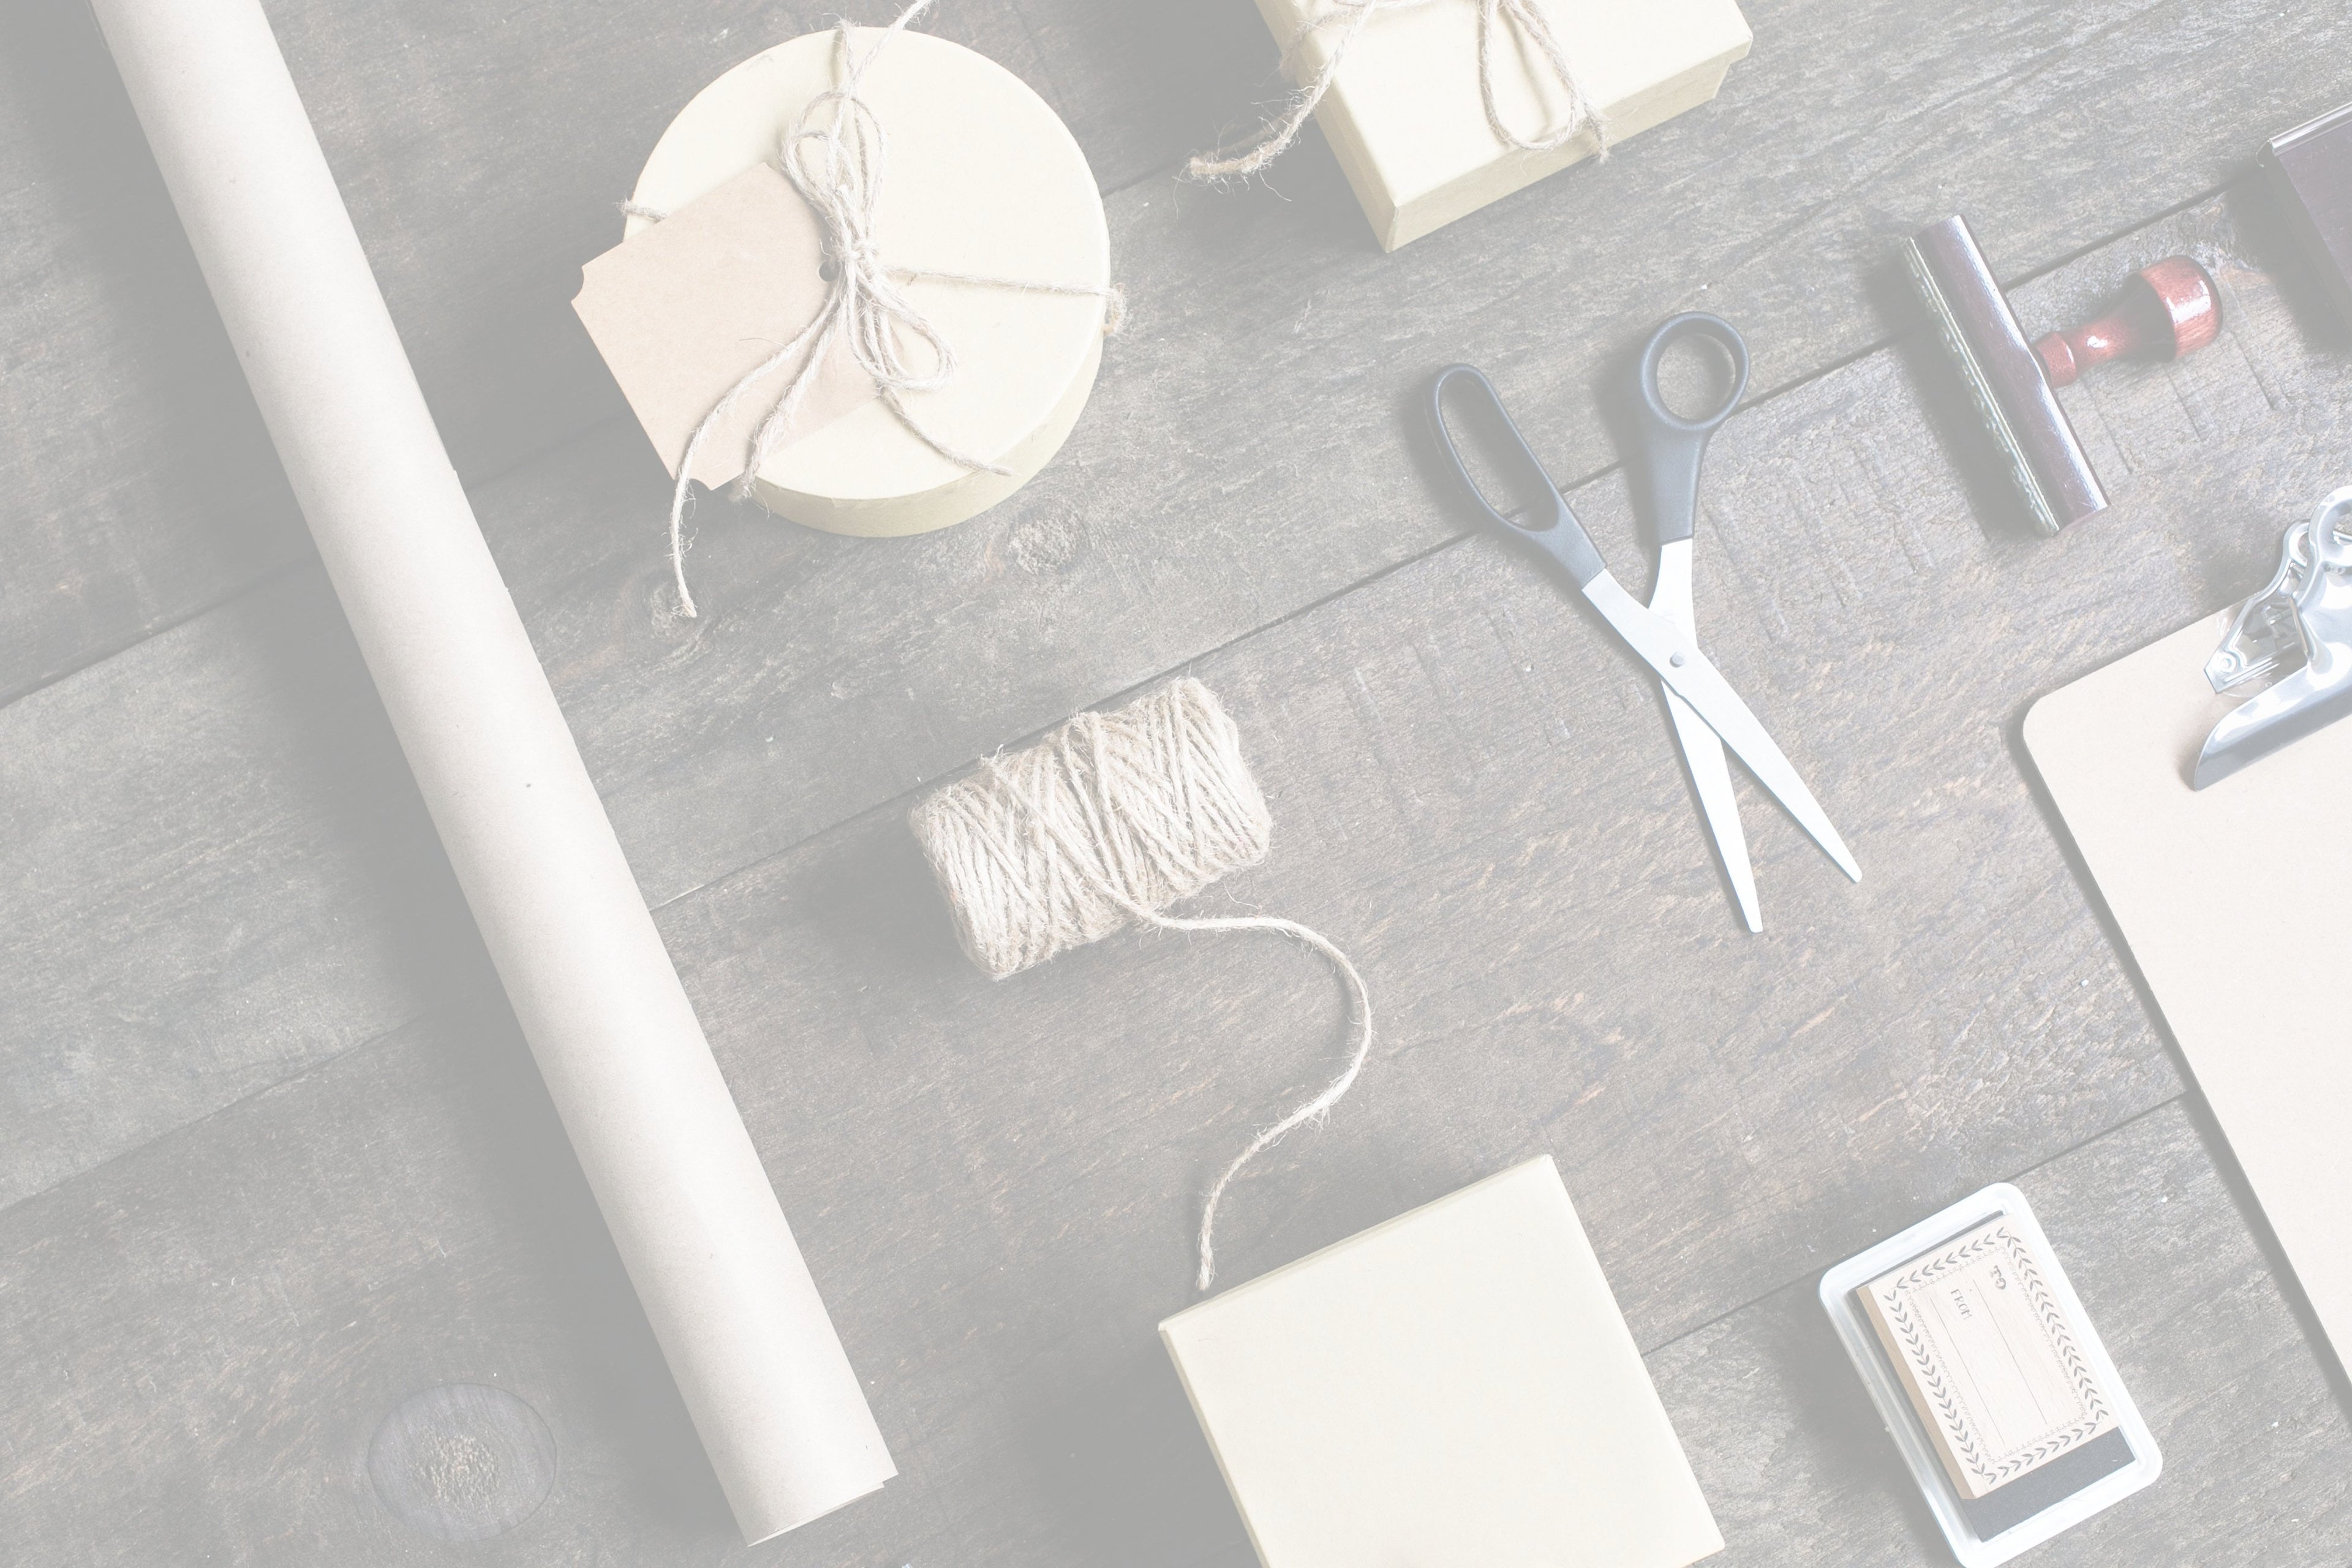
pixel 2167 310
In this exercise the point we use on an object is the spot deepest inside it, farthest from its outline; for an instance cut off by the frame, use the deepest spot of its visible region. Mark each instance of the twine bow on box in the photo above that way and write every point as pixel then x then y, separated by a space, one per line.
pixel 1523 20
pixel 834 155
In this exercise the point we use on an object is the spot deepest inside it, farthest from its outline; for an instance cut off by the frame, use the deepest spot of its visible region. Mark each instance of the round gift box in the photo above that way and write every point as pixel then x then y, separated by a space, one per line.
pixel 980 178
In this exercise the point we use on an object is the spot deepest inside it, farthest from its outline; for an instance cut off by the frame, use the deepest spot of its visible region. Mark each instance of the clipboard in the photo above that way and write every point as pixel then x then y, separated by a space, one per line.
pixel 2236 902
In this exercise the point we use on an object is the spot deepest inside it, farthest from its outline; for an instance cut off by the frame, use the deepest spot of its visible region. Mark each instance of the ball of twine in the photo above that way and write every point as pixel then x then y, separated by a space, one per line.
pixel 1110 817
pixel 1104 823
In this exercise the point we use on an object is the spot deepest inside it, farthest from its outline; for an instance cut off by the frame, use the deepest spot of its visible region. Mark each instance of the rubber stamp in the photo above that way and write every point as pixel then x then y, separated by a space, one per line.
pixel 1989 1377
pixel 2163 312
pixel 1992 1365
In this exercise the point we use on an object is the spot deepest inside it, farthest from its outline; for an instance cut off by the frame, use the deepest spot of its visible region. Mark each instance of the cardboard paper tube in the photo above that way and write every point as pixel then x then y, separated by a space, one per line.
pixel 730 1301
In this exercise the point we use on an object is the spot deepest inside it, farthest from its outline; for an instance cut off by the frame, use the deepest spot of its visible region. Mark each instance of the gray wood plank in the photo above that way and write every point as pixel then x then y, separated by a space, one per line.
pixel 214 1331
pixel 218 874
pixel 1144 86
pixel 481 162
pixel 481 150
pixel 2256 1449
pixel 831 673
pixel 230 1314
pixel 1458 700
pixel 141 486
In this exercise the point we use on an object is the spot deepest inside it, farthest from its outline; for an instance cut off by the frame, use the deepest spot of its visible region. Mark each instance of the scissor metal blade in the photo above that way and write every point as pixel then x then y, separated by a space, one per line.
pixel 1711 781
pixel 1670 596
pixel 1673 654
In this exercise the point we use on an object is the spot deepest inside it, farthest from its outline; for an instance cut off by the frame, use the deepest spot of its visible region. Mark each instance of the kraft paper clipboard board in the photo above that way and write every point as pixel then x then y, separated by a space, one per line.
pixel 2236 901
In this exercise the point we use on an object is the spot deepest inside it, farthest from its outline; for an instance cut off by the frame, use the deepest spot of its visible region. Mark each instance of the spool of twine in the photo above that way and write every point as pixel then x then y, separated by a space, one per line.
pixel 1104 823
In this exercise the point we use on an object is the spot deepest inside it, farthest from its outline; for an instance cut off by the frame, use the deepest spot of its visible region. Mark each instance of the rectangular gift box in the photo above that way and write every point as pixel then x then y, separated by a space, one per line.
pixel 1455 1388
pixel 1406 120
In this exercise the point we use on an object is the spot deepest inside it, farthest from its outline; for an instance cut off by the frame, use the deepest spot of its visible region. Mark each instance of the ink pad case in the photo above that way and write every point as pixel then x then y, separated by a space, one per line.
pixel 1980 1538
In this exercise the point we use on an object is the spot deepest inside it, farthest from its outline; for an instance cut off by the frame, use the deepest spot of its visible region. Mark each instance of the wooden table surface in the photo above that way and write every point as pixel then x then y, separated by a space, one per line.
pixel 273 1161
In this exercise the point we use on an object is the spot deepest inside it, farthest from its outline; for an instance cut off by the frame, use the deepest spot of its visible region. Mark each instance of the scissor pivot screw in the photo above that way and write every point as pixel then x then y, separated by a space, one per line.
pixel 1676 659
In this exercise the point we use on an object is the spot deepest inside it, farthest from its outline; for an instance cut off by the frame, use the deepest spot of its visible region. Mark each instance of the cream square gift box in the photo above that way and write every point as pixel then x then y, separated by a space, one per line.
pixel 1455 1388
pixel 1405 117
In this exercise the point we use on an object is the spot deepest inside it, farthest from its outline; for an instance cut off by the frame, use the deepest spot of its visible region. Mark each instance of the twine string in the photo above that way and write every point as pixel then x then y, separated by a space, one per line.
pixel 1104 823
pixel 834 155
pixel 1523 19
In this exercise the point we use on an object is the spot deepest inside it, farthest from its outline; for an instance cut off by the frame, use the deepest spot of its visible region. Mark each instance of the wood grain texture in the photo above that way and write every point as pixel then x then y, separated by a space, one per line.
pixel 480 149
pixel 1794 1459
pixel 218 874
pixel 1473 791
pixel 213 1331
pixel 1869 603
pixel 140 485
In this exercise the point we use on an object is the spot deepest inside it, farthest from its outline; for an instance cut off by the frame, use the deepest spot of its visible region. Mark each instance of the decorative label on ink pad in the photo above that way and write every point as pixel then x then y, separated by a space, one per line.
pixel 1988 1359
pixel 1989 1377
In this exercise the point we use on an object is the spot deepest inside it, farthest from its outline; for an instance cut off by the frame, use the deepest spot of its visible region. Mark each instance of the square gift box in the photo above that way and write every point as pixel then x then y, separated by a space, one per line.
pixel 1406 120
pixel 1455 1388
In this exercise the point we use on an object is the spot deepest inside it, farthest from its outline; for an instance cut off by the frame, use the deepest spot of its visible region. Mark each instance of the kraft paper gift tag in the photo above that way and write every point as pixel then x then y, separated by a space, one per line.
pixel 984 180
pixel 688 308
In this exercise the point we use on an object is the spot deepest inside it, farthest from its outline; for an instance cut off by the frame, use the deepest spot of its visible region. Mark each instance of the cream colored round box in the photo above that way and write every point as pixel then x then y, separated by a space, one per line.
pixel 980 178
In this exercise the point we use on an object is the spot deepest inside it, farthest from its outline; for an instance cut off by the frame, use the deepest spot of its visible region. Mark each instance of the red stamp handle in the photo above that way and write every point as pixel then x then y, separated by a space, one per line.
pixel 2167 310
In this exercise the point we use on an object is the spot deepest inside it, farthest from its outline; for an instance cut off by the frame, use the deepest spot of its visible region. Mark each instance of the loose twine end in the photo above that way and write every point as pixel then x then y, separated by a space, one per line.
pixel 1102 824
pixel 1317 1109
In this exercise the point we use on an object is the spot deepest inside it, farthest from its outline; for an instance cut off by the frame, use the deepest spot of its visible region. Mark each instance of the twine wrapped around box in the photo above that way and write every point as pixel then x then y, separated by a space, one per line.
pixel 836 157
pixel 964 285
pixel 1435 107
pixel 1526 26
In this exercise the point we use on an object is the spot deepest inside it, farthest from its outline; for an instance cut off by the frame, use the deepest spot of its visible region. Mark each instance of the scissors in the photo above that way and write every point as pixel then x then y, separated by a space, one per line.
pixel 1707 714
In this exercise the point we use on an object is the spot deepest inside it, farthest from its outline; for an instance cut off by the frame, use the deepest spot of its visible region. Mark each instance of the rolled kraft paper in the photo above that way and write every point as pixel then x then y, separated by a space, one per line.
pixel 768 1387
pixel 981 178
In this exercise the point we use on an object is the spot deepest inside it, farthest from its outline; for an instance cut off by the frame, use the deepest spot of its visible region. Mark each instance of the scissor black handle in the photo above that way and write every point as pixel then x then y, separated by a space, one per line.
pixel 1551 528
pixel 1672 446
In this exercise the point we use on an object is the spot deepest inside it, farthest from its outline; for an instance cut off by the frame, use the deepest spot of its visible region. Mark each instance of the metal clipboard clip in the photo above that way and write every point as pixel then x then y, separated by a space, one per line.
pixel 2306 610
